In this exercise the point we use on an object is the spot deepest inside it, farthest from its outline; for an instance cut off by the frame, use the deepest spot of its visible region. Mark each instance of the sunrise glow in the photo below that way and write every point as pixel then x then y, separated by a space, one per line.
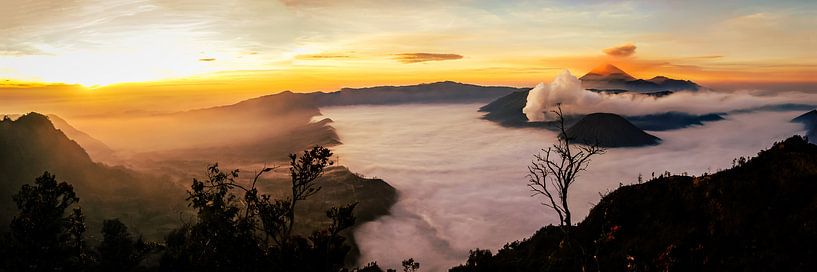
pixel 328 44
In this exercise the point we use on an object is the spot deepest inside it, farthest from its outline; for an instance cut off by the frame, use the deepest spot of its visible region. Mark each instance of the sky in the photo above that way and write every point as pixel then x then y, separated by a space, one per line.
pixel 252 47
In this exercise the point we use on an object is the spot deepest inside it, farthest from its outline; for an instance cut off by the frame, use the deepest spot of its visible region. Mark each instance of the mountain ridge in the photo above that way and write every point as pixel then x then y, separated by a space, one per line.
pixel 608 76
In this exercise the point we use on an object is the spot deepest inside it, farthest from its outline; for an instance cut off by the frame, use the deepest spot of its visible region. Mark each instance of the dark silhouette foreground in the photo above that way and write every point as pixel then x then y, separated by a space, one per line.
pixel 236 229
pixel 757 216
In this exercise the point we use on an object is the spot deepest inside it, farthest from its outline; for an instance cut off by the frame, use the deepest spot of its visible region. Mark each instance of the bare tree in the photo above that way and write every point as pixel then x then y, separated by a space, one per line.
pixel 552 174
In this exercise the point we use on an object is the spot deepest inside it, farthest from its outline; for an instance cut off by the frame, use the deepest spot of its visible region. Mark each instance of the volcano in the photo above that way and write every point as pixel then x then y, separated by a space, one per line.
pixel 609 130
pixel 609 78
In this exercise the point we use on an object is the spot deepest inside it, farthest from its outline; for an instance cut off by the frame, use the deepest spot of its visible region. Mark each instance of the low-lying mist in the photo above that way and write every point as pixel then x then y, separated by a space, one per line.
pixel 254 131
pixel 462 179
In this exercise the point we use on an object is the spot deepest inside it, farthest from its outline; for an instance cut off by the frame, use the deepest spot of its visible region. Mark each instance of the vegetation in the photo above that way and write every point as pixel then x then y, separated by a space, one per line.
pixel 236 229
pixel 756 216
pixel 552 174
pixel 43 237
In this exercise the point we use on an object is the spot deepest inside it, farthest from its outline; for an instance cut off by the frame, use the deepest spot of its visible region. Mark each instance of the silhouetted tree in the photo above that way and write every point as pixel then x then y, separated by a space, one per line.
pixel 552 174
pixel 478 260
pixel 222 239
pixel 410 265
pixel 43 237
pixel 255 232
pixel 118 251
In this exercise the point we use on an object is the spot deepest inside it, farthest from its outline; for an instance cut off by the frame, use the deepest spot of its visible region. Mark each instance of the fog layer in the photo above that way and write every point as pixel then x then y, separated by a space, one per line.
pixel 462 179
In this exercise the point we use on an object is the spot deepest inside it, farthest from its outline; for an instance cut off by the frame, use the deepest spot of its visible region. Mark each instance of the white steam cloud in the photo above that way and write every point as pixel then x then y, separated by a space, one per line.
pixel 564 89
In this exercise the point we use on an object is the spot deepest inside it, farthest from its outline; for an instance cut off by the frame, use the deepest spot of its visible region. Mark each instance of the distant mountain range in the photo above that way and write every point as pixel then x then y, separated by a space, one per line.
pixel 437 92
pixel 610 77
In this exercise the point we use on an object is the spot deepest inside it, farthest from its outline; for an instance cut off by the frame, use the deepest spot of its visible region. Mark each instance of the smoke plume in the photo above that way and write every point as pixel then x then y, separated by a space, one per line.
pixel 564 89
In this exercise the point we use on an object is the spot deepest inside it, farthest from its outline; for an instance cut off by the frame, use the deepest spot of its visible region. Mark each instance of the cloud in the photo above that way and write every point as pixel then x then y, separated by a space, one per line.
pixel 624 50
pixel 564 89
pixel 448 201
pixel 322 56
pixel 421 57
pixel 207 59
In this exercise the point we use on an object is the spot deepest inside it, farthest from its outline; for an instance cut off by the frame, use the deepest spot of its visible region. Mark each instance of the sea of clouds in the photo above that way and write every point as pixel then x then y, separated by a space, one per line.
pixel 462 179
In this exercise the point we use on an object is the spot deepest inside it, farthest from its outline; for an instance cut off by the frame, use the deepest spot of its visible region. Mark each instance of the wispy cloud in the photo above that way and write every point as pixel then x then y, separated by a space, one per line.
pixel 322 56
pixel 422 57
pixel 624 50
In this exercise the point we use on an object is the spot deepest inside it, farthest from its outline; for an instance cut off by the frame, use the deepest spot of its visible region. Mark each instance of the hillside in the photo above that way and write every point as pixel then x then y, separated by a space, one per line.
pixel 809 120
pixel 98 150
pixel 269 127
pixel 757 216
pixel 150 203
pixel 262 129
pixel 31 145
pixel 339 186
pixel 609 130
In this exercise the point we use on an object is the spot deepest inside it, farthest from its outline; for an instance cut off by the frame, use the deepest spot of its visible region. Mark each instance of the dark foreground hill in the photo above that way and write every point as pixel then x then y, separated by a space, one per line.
pixel 757 216
pixel 609 130
pixel 809 120
pixel 151 204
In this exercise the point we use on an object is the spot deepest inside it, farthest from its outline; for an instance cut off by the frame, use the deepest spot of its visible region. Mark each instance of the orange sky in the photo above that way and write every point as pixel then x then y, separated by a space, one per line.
pixel 230 50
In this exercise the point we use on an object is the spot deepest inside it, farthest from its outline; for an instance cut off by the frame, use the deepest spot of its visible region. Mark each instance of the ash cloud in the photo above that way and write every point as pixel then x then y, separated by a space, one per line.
pixel 624 50
pixel 423 57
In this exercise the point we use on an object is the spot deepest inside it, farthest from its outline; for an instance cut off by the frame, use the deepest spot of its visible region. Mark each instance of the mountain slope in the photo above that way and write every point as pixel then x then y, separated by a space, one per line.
pixel 31 145
pixel 809 120
pixel 98 150
pixel 609 130
pixel 757 216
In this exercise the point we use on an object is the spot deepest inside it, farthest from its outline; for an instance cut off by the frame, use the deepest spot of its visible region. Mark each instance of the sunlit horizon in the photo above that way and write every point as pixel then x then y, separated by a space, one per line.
pixel 307 46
